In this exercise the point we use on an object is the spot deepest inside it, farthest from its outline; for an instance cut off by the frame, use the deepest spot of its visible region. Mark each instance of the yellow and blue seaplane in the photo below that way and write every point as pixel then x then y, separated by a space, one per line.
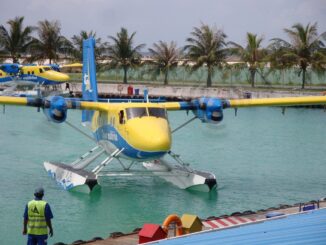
pixel 15 75
pixel 134 132
pixel 35 74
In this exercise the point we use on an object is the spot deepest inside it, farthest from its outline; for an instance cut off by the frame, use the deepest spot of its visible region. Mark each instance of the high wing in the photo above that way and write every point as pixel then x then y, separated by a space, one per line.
pixel 236 103
pixel 286 101
pixel 73 65
pixel 54 101
pixel 183 105
pixel 210 110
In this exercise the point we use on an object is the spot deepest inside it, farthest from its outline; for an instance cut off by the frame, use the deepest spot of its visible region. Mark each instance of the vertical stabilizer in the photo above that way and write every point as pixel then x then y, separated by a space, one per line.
pixel 89 85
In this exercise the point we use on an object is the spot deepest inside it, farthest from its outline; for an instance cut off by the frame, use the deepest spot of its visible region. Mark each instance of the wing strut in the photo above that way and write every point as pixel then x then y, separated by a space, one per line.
pixel 106 161
pixel 83 162
pixel 184 124
pixel 80 131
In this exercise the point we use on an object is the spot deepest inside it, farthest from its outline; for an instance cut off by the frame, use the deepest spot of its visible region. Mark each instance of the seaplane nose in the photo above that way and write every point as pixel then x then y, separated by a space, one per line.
pixel 149 134
pixel 58 76
pixel 63 77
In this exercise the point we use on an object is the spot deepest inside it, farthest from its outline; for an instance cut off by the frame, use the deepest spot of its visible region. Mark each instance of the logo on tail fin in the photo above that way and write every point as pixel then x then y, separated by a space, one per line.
pixel 86 78
pixel 86 82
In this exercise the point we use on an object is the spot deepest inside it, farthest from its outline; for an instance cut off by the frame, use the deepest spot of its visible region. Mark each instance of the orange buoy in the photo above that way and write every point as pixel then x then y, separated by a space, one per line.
pixel 172 218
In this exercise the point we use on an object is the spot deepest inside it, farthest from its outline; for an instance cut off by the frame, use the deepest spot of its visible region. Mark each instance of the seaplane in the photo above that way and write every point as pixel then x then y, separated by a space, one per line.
pixel 32 74
pixel 133 132
pixel 31 78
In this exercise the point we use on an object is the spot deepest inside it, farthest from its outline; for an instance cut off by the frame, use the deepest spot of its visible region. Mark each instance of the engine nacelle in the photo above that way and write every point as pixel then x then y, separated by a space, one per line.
pixel 208 110
pixel 55 109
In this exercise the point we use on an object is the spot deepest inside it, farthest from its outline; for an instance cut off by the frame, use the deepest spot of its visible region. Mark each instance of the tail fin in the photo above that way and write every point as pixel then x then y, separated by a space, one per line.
pixel 89 85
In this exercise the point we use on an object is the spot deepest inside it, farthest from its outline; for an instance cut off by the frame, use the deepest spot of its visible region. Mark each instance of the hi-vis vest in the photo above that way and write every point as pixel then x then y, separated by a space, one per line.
pixel 36 218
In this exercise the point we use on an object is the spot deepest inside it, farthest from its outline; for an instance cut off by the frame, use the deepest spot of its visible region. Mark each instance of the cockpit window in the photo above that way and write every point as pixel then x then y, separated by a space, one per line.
pixel 136 112
pixel 46 68
pixel 157 112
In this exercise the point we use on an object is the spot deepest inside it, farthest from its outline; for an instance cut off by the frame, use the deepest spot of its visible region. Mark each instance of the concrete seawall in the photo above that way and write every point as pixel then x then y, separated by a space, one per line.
pixel 194 92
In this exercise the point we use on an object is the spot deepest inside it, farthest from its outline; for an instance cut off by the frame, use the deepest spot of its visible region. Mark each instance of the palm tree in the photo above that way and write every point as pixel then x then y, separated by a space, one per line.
pixel 305 49
pixel 164 57
pixel 50 42
pixel 206 47
pixel 16 40
pixel 252 54
pixel 122 53
pixel 77 40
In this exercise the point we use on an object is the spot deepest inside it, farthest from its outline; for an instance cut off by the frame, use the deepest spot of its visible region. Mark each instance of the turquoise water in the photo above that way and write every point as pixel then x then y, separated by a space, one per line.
pixel 260 158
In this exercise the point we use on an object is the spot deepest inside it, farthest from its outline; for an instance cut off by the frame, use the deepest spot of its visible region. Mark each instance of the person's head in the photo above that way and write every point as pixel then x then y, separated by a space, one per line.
pixel 39 192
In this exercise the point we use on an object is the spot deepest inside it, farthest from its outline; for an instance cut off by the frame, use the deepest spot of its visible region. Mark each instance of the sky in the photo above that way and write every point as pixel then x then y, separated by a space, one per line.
pixel 170 20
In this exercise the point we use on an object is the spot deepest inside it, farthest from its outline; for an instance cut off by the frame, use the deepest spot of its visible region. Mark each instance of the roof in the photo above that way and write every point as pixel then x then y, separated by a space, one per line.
pixel 302 228
pixel 188 220
pixel 150 230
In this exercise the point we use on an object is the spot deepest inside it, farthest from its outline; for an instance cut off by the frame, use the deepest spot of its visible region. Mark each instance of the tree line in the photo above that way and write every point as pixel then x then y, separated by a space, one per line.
pixel 206 46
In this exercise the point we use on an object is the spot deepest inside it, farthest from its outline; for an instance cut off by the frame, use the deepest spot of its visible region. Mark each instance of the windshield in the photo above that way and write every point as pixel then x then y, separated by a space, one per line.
pixel 47 68
pixel 136 112
pixel 157 112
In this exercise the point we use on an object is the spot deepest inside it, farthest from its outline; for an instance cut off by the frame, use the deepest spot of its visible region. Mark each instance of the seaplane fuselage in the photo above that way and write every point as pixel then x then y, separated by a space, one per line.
pixel 140 129
pixel 42 75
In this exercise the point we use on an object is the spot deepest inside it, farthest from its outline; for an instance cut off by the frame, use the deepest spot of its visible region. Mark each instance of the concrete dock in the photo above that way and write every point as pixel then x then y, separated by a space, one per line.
pixel 188 92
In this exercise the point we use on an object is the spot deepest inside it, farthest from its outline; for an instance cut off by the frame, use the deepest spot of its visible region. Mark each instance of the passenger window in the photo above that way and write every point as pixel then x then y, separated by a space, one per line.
pixel 28 73
pixel 41 71
pixel 32 72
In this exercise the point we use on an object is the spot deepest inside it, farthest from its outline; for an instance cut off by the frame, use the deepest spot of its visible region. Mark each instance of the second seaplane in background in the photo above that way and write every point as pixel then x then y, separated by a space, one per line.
pixel 27 80
pixel 32 74
pixel 134 132
pixel 15 76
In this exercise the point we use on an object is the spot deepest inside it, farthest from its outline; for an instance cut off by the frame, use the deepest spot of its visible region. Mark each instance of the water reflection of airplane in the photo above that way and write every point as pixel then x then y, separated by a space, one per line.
pixel 134 132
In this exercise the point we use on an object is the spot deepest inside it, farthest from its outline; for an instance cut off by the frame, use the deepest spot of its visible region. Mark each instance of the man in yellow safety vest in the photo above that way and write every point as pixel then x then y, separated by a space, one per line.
pixel 37 220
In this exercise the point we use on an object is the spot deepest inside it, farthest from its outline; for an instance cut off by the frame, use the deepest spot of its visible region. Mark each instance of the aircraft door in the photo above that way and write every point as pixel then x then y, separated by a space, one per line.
pixel 122 117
